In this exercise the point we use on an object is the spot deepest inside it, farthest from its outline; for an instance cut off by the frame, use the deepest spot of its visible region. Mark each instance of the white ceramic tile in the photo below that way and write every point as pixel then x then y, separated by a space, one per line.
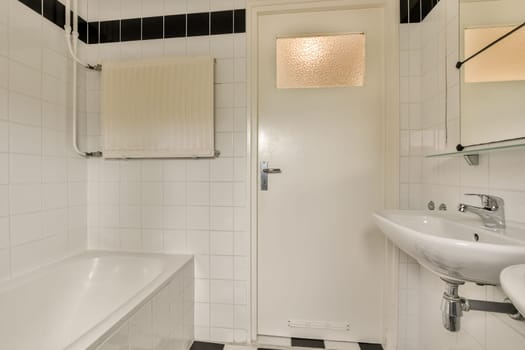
pixel 241 268
pixel 109 9
pixel 198 170
pixel 25 198
pixel 240 95
pixel 224 95
pixel 175 47
pixel 240 70
pixel 218 5
pixel 198 218
pixel 199 241
pixel 172 7
pixel 4 169
pixel 130 193
pixel 25 35
pixel 221 194
pixel 224 70
pixel 198 6
pixel 4 200
pixel 198 193
pixel 54 196
pixel 152 240
pixel 131 239
pixel 175 241
pixel 132 9
pixel 175 218
pixel 24 79
pixel 130 217
pixel 221 243
pixel 25 228
pixel 25 139
pixel 239 45
pixel 222 46
pixel 202 314
pixel 202 291
pixel 152 217
pixel 4 232
pixel 221 315
pixel 222 291
pixel 152 193
pixel 198 45
pixel 24 169
pixel 224 143
pixel 240 120
pixel 241 243
pixel 221 267
pixel 174 193
pixel 221 218
pixel 130 171
pixel 4 98
pixel 108 193
pixel 4 72
pixel 221 169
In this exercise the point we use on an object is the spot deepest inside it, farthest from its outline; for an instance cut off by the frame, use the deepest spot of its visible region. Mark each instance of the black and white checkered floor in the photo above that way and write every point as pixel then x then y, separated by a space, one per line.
pixel 294 343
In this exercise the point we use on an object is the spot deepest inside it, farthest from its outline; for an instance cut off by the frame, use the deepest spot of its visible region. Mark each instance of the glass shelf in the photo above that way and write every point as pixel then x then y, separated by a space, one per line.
pixel 479 150
pixel 471 155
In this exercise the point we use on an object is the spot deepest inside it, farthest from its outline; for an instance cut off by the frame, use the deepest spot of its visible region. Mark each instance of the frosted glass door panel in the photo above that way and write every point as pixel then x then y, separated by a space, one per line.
pixel 321 61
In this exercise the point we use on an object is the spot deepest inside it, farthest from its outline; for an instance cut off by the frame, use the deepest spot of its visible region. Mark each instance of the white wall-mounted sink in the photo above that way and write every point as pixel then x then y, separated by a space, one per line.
pixel 512 281
pixel 454 246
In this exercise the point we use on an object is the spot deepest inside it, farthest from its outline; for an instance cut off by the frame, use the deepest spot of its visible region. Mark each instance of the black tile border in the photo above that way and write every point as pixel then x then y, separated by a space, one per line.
pixel 369 346
pixel 175 26
pixel 221 22
pixel 109 31
pixel 199 345
pixel 308 343
pixel 239 21
pixel 120 30
pixel 131 29
pixel 198 24
pixel 55 12
pixel 153 28
pixel 93 30
pixel 415 11
pixel 35 5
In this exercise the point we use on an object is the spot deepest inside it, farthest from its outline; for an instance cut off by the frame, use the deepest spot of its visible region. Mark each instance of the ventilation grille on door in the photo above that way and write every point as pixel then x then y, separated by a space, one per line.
pixel 336 326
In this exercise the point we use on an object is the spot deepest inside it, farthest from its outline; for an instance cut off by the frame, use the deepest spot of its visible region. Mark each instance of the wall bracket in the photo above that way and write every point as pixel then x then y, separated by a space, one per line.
pixel 472 159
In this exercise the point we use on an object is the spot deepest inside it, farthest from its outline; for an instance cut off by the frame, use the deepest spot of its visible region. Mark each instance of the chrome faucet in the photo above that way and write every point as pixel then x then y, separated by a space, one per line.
pixel 492 212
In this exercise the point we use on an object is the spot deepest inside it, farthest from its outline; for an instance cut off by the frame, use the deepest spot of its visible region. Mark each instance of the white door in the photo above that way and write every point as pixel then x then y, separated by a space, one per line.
pixel 320 257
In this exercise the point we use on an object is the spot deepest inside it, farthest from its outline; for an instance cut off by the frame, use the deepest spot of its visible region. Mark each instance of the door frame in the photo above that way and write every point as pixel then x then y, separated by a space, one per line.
pixel 258 8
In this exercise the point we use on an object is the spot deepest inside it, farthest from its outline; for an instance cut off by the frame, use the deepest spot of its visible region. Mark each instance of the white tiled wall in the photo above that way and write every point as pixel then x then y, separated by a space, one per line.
pixel 164 322
pixel 433 44
pixel 42 184
pixel 181 206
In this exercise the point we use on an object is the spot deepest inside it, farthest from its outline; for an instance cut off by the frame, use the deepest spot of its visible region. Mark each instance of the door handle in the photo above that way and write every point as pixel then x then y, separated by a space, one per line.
pixel 265 170
pixel 272 171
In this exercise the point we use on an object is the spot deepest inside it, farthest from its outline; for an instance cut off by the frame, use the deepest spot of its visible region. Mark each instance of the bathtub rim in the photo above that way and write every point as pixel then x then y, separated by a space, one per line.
pixel 95 336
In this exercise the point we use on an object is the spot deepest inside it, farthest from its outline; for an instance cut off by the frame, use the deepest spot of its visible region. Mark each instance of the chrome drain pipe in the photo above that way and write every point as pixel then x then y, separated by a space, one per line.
pixel 453 306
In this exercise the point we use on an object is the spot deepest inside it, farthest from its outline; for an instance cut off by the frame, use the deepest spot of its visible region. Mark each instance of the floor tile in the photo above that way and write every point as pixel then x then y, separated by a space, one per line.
pixel 270 342
pixel 198 345
pixel 308 343
pixel 340 345
pixel 368 346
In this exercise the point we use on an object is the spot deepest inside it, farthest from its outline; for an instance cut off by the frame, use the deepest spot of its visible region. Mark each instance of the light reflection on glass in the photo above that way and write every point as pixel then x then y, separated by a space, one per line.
pixel 505 61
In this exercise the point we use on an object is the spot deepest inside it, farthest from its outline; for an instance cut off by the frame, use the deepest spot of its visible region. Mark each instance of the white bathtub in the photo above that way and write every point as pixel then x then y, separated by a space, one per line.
pixel 80 302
